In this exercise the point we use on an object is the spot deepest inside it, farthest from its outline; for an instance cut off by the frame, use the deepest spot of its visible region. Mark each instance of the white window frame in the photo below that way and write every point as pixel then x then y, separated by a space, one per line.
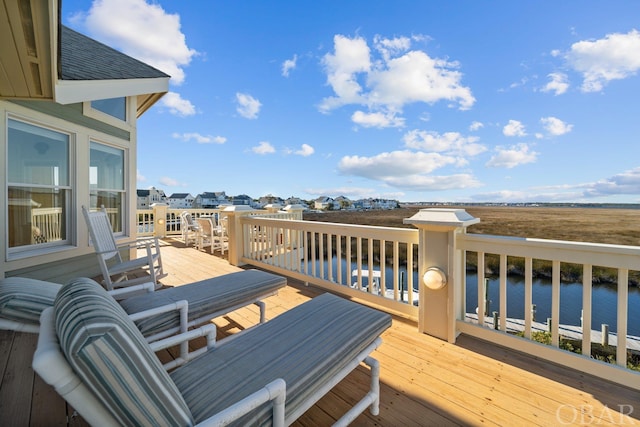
pixel 89 111
pixel 124 231
pixel 23 251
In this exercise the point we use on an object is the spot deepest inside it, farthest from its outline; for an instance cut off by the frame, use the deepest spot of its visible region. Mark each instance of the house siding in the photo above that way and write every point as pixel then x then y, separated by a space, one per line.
pixel 73 113
pixel 60 271
pixel 78 258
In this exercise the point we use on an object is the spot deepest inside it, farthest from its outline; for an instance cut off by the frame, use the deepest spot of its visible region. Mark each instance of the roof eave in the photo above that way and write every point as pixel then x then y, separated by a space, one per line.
pixel 148 90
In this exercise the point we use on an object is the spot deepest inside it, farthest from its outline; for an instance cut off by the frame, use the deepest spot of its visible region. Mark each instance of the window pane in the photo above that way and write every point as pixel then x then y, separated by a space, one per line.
pixel 115 107
pixel 36 216
pixel 106 167
pixel 106 180
pixel 37 156
pixel 112 201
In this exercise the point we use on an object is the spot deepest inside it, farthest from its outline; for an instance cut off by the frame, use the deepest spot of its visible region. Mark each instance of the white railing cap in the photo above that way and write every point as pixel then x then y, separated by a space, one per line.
pixel 442 217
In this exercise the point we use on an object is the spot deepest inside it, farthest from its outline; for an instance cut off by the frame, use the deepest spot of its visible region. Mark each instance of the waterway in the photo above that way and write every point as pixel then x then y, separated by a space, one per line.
pixel 603 297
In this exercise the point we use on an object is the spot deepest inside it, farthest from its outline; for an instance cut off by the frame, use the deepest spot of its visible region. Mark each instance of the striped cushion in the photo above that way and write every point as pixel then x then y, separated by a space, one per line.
pixel 215 295
pixel 112 358
pixel 305 346
pixel 22 299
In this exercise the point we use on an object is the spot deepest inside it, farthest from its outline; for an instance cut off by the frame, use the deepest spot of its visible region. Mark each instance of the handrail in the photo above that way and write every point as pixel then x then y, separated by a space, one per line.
pixel 326 253
pixel 616 257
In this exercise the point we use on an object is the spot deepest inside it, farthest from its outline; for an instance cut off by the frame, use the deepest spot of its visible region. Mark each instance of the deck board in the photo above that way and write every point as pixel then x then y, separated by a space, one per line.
pixel 424 380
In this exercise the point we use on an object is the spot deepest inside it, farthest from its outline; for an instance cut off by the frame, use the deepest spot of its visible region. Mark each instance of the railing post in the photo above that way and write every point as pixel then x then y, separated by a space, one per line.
pixel 441 303
pixel 296 210
pixel 160 219
pixel 272 207
pixel 234 231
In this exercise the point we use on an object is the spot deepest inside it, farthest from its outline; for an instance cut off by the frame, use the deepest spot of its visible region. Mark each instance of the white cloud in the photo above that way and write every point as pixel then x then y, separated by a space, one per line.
pixel 613 57
pixel 248 106
pixel 177 105
pixel 627 182
pixel 476 126
pixel 288 65
pixel 305 150
pixel 416 77
pixel 393 164
pixel 407 170
pixel 351 57
pixel 511 157
pixel 555 126
pixel 514 128
pixel 449 142
pixel 558 83
pixel 120 24
pixel 435 183
pixel 391 47
pixel 263 148
pixel 377 119
pixel 140 177
pixel 397 77
pixel 200 139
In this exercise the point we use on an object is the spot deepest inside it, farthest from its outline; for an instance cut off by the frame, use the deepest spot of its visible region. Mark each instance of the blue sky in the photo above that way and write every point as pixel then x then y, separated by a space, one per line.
pixel 456 101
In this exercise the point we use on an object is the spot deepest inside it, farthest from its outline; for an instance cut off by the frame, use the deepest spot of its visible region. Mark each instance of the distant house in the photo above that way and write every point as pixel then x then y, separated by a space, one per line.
pixel 242 200
pixel 180 200
pixel 210 200
pixel 270 200
pixel 296 201
pixel 372 203
pixel 148 197
pixel 342 202
pixel 68 112
pixel 323 203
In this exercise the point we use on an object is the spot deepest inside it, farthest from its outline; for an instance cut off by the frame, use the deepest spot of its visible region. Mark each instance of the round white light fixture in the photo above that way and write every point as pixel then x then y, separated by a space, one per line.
pixel 434 278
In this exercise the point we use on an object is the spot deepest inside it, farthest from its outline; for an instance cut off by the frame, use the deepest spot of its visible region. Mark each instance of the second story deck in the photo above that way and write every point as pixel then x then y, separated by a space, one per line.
pixel 424 380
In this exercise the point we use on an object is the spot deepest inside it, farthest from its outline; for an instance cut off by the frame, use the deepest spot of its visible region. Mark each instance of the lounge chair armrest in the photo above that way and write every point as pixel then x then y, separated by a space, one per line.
pixel 129 291
pixel 208 331
pixel 275 391
pixel 182 306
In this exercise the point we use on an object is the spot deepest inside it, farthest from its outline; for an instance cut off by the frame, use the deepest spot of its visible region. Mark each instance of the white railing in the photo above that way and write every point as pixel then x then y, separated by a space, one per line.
pixel 328 255
pixel 622 259
pixel 146 220
pixel 49 222
pixel 370 263
pixel 325 253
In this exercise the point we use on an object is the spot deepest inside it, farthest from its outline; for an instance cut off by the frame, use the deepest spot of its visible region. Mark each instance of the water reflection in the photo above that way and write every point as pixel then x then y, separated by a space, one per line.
pixel 604 302
pixel 604 298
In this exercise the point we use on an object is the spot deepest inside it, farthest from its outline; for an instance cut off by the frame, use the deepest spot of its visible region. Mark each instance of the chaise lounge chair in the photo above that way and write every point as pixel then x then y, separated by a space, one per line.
pixel 90 351
pixel 22 300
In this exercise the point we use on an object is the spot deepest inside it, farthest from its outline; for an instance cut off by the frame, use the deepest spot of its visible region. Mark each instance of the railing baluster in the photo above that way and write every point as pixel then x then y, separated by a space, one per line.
pixel 410 273
pixel 339 258
pixel 528 296
pixel 623 295
pixel 396 265
pixel 587 280
pixel 383 268
pixel 359 261
pixel 481 291
pixel 330 256
pixel 503 292
pixel 370 269
pixel 321 253
pixel 555 303
pixel 313 253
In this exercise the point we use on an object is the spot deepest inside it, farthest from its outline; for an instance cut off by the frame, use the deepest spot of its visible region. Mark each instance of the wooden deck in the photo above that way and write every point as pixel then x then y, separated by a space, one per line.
pixel 424 381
